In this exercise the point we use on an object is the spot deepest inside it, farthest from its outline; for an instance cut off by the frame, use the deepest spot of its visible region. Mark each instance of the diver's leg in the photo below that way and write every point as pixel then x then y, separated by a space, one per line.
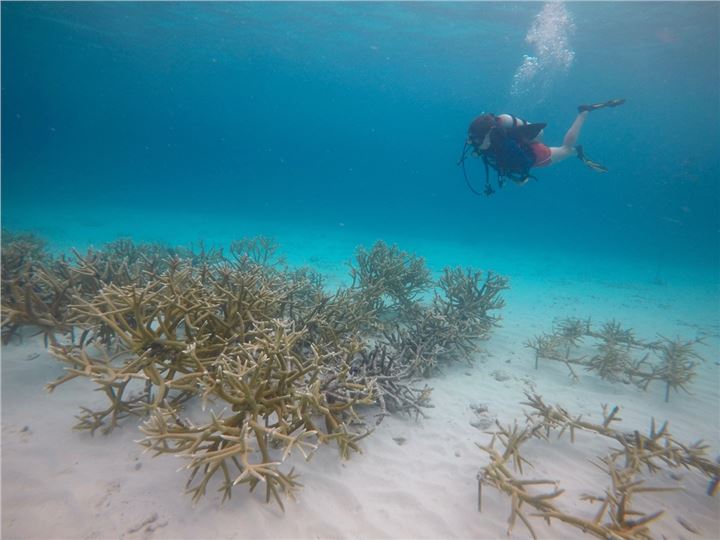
pixel 573 133
pixel 559 153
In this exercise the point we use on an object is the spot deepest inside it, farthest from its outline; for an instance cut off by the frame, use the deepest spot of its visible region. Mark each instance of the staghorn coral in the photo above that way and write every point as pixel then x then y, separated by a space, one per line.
pixel 19 252
pixel 617 517
pixel 36 297
pixel 40 293
pixel 451 327
pixel 613 331
pixel 385 367
pixel 611 362
pixel 570 332
pixel 548 346
pixel 277 362
pixel 259 251
pixel 677 365
pixel 390 279
pixel 467 298
pixel 226 343
pixel 616 358
pixel 276 397
pixel 201 257
pixel 658 445
pixel 38 302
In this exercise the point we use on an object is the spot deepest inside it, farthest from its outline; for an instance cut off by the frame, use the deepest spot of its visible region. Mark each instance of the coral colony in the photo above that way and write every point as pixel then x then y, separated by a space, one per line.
pixel 278 362
pixel 614 518
pixel 618 356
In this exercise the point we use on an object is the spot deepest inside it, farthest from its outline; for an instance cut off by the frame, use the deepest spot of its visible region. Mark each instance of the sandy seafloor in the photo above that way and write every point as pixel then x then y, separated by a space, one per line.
pixel 60 483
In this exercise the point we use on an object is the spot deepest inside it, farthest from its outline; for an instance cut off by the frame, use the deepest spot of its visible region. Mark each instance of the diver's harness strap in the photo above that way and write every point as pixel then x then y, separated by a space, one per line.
pixel 488 186
pixel 502 175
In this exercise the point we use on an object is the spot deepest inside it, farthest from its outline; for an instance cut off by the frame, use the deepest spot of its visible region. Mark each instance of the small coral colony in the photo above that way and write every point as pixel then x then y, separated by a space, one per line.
pixel 235 361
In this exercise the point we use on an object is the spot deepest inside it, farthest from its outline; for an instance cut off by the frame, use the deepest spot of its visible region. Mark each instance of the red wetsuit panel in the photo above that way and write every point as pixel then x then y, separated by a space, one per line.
pixel 542 154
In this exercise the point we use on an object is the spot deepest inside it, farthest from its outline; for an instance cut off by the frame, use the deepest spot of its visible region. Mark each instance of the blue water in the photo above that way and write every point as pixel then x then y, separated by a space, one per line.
pixel 329 125
pixel 353 115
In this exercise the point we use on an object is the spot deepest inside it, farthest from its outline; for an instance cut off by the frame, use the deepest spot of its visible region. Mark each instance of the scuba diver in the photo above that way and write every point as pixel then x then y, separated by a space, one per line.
pixel 513 146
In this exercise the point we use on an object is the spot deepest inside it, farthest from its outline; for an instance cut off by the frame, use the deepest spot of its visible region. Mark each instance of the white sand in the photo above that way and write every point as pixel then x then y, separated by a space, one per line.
pixel 58 483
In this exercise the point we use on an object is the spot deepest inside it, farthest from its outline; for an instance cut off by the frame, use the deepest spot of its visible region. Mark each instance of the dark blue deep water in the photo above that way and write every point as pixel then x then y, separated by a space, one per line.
pixel 319 114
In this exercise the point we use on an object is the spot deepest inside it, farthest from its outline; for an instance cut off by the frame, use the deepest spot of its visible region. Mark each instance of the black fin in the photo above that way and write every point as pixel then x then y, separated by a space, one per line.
pixel 594 165
pixel 528 132
pixel 596 106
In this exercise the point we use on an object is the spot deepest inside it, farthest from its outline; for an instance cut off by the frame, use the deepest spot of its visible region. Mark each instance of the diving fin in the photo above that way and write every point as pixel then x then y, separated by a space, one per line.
pixel 594 165
pixel 528 132
pixel 596 106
